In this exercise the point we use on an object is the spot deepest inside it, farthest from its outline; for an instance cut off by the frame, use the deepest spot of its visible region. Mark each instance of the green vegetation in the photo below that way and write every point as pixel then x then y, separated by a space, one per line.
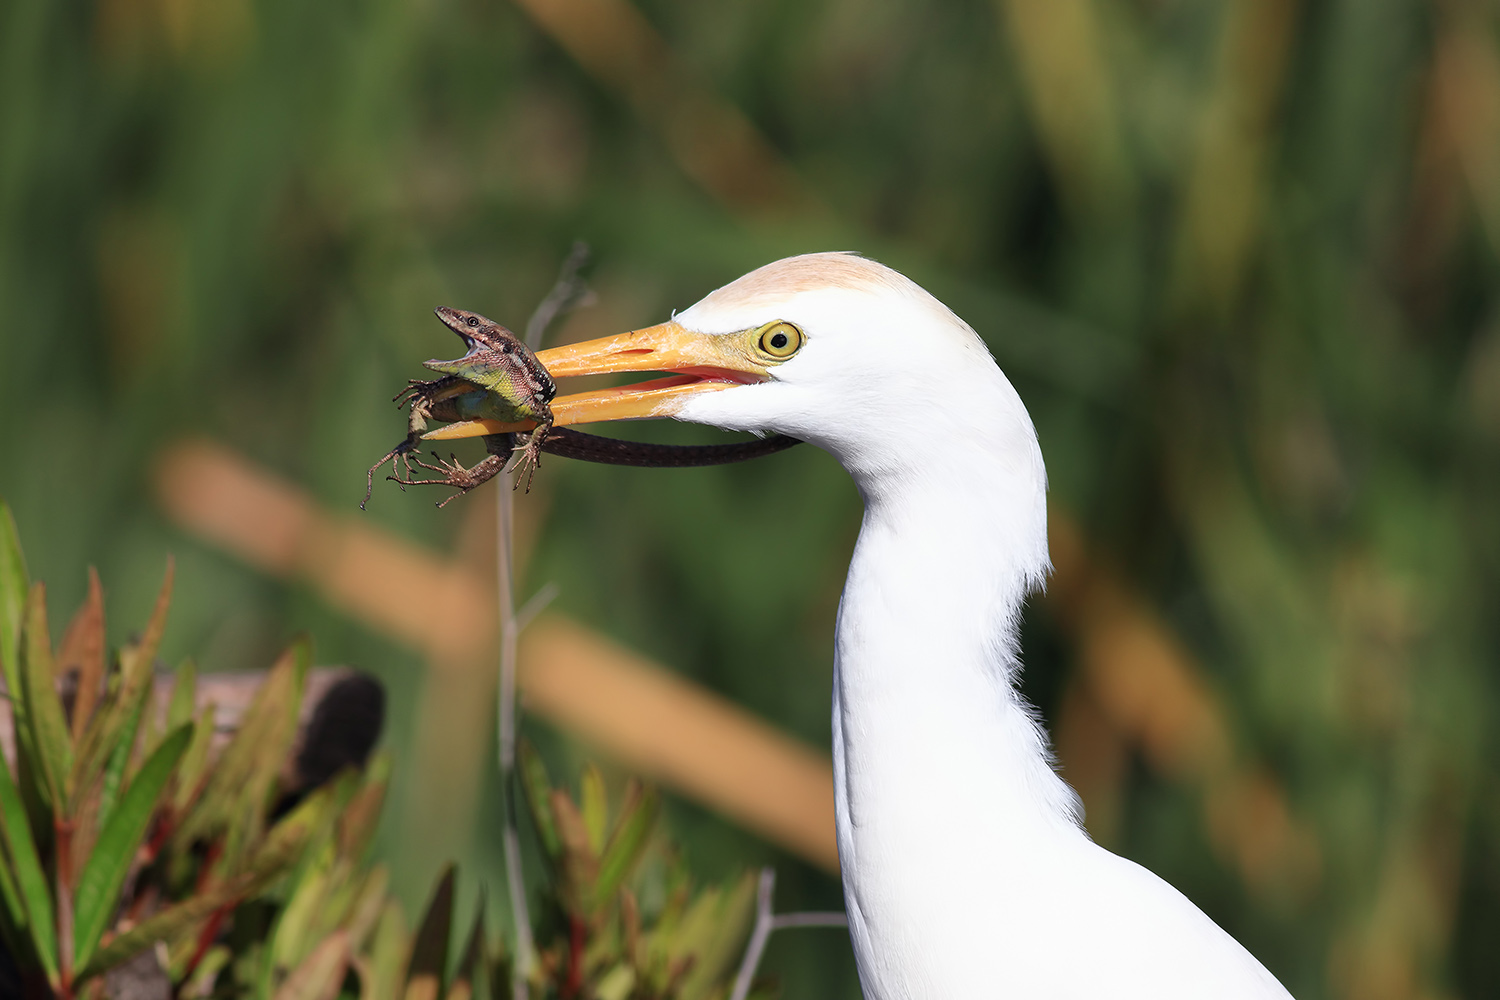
pixel 125 830
pixel 125 834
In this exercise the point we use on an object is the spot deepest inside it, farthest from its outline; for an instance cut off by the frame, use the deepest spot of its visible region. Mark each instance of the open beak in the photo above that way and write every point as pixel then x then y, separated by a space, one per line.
pixel 696 363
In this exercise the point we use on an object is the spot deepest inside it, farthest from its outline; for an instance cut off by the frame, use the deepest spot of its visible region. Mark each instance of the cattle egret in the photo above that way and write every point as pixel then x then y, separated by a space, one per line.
pixel 967 872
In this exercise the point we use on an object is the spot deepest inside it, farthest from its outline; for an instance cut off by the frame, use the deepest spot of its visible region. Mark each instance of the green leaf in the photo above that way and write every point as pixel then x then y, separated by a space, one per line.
pixel 368 905
pixel 15 910
pixel 154 725
pixel 713 933
pixel 387 956
pixel 616 984
pixel 429 955
pixel 14 936
pixel 472 967
pixel 184 694
pixel 239 784
pixel 290 941
pixel 321 974
pixel 137 661
pixel 14 590
pixel 165 924
pixel 286 841
pixel 359 819
pixel 104 873
pixel 44 711
pixel 279 851
pixel 344 886
pixel 14 585
pixel 593 802
pixel 637 819
pixel 538 788
pixel 119 758
pixel 101 735
pixel 31 880
pixel 200 983
pixel 580 865
pixel 190 775
pixel 310 887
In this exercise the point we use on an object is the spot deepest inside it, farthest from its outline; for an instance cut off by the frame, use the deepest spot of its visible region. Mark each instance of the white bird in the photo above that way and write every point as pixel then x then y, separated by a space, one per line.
pixel 967 872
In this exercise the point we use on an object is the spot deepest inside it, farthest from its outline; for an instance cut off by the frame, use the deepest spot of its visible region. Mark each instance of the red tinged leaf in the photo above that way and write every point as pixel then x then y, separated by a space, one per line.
pixel 82 650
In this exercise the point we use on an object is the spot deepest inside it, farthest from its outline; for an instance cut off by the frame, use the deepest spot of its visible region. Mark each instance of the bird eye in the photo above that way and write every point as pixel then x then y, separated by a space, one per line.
pixel 781 340
pixel 472 320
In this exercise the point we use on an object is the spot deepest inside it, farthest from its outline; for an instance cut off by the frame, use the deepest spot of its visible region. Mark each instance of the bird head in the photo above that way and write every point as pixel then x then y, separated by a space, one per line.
pixel 831 348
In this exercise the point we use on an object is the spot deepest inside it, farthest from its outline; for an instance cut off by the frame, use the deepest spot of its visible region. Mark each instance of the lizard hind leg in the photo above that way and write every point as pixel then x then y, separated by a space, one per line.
pixel 526 465
pixel 531 455
pixel 456 476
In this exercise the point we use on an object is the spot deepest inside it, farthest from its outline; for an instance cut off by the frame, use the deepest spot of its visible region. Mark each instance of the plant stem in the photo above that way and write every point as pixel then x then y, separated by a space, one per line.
pixel 63 834
pixel 767 922
pixel 520 914
pixel 568 292
pixel 577 941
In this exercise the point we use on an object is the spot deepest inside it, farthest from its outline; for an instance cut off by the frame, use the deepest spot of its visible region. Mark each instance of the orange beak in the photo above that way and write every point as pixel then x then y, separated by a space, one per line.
pixel 698 363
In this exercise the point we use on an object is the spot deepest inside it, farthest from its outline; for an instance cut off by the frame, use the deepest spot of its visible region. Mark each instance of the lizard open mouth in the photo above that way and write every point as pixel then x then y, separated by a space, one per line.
pixel 695 362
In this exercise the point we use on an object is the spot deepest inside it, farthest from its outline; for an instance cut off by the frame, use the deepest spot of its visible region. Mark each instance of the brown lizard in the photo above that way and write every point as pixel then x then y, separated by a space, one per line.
pixel 498 378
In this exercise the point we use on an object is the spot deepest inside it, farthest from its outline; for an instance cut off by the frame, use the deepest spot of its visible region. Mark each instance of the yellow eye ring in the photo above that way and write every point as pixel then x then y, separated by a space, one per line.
pixel 781 340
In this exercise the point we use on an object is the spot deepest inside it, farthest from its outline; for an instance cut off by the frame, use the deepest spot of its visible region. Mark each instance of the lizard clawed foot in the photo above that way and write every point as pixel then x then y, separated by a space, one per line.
pixel 531 458
pixel 415 388
pixel 419 395
pixel 455 475
pixel 397 456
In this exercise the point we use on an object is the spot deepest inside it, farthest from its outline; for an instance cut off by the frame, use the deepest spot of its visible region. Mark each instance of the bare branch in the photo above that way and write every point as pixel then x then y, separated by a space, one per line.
pixel 510 633
pixel 569 292
pixel 766 922
pixel 756 947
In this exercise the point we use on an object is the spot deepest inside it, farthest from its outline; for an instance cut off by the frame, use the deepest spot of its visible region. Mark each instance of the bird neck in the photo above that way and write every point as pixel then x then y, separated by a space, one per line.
pixel 931 735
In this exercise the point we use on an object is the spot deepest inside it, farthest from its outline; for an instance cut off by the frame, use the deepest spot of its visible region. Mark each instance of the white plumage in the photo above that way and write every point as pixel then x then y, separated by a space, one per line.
pixel 966 870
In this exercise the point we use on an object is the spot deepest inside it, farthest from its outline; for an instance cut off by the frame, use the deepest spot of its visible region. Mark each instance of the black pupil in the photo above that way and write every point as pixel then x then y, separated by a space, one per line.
pixel 778 340
pixel 472 321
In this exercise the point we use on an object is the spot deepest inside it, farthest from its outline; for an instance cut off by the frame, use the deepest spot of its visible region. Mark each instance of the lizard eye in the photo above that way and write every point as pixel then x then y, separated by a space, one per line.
pixel 781 340
pixel 472 320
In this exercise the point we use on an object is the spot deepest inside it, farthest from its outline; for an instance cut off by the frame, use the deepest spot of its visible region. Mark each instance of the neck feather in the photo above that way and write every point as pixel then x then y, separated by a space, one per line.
pixel 931 735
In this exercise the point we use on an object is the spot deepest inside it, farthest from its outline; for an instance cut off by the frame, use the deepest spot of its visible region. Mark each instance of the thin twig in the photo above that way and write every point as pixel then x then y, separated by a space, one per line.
pixel 810 918
pixel 568 293
pixel 535 606
pixel 767 922
pixel 510 632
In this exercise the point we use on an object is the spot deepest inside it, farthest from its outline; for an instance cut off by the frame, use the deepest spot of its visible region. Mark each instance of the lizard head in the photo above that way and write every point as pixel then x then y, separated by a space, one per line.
pixel 478 332
pixel 496 360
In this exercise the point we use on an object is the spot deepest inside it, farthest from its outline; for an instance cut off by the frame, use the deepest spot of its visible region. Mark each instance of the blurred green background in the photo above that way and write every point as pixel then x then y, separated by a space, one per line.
pixel 1238 256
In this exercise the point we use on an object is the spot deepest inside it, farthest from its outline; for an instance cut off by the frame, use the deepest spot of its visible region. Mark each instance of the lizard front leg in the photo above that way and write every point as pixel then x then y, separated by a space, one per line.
pixel 422 397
